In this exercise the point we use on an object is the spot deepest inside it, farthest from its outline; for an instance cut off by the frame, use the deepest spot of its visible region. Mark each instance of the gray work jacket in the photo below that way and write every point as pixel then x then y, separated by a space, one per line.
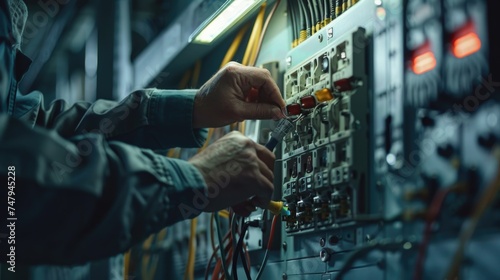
pixel 88 184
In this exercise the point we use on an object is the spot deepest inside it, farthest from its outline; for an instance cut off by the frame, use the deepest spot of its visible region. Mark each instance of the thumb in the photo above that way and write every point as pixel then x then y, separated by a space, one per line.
pixel 260 202
pixel 261 111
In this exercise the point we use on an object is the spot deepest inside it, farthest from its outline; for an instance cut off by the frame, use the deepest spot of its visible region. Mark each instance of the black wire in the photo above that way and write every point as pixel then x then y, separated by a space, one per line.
pixel 243 257
pixel 319 4
pixel 245 265
pixel 338 5
pixel 298 18
pixel 326 7
pixel 383 245
pixel 293 20
pixel 332 10
pixel 305 14
pixel 313 11
pixel 238 248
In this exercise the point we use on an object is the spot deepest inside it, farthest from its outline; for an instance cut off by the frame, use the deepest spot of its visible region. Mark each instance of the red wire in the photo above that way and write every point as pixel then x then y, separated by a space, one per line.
pixel 271 234
pixel 215 274
pixel 247 255
pixel 434 210
pixel 214 253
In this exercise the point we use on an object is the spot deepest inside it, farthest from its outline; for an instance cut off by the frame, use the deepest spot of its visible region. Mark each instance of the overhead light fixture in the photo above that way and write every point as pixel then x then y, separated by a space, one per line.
pixel 223 19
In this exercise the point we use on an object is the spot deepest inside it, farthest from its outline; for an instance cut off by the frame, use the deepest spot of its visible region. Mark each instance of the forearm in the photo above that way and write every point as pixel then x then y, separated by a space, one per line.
pixel 153 119
pixel 88 199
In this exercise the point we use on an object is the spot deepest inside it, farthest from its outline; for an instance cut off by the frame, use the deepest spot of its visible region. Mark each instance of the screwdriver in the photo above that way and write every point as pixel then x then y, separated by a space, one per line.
pixel 284 126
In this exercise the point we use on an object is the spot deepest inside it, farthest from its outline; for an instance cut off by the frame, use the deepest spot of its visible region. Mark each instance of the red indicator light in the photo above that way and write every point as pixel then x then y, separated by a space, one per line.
pixel 293 109
pixel 423 63
pixel 423 59
pixel 465 41
pixel 343 85
pixel 466 45
pixel 308 102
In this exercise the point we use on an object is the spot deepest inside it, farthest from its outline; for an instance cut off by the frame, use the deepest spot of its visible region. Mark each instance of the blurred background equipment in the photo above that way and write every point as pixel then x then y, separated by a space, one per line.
pixel 391 170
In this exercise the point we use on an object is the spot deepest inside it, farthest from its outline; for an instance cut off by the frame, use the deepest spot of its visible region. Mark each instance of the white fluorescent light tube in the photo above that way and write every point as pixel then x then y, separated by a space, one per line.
pixel 225 17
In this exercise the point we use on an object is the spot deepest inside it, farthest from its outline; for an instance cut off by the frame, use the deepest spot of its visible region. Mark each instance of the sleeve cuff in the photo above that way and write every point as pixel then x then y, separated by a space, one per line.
pixel 187 188
pixel 172 111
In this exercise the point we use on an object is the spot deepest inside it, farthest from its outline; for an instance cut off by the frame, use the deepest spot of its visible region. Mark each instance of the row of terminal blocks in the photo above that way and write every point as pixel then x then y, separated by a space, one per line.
pixel 317 73
pixel 311 209
pixel 317 158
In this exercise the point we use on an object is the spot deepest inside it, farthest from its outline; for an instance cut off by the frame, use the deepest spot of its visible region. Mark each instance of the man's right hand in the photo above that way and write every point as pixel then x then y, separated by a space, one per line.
pixel 235 169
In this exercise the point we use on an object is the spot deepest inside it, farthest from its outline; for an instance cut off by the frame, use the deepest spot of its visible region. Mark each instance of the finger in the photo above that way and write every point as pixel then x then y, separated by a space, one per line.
pixel 265 155
pixel 258 111
pixel 264 192
pixel 263 198
pixel 264 170
pixel 252 95
pixel 268 89
pixel 245 208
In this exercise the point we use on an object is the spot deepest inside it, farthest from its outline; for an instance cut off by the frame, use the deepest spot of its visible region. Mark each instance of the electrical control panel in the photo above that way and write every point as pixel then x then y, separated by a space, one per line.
pixel 392 168
pixel 395 144
pixel 389 156
pixel 324 174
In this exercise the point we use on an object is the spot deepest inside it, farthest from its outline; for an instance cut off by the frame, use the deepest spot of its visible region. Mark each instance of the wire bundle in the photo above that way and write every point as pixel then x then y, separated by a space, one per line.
pixel 225 248
pixel 233 248
pixel 307 17
pixel 485 201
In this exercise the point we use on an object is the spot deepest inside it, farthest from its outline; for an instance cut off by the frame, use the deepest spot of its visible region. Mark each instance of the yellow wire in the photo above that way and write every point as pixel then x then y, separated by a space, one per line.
pixel 487 198
pixel 253 36
pixel 185 79
pixel 207 142
pixel 145 259
pixel 234 46
pixel 224 214
pixel 242 127
pixel 126 268
pixel 196 74
pixel 189 273
pixel 251 51
pixel 255 44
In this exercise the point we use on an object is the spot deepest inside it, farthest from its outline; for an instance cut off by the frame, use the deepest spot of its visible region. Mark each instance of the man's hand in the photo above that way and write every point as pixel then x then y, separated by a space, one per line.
pixel 235 169
pixel 224 98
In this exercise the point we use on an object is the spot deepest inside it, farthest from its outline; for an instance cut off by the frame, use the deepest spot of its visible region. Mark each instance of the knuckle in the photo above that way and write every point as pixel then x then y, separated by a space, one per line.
pixel 267 72
pixel 272 156
pixel 247 142
pixel 232 64
pixel 250 156
pixel 253 157
pixel 230 69
pixel 234 133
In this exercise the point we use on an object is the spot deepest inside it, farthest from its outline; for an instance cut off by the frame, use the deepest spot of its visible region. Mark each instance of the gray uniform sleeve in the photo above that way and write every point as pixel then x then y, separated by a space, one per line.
pixel 151 118
pixel 84 197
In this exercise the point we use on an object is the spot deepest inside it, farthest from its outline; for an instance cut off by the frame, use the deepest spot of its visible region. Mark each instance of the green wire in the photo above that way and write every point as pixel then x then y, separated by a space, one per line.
pixel 221 246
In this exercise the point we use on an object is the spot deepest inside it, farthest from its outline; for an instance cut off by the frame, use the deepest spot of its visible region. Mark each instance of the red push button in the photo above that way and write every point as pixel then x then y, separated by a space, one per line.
pixel 343 85
pixel 308 102
pixel 293 109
